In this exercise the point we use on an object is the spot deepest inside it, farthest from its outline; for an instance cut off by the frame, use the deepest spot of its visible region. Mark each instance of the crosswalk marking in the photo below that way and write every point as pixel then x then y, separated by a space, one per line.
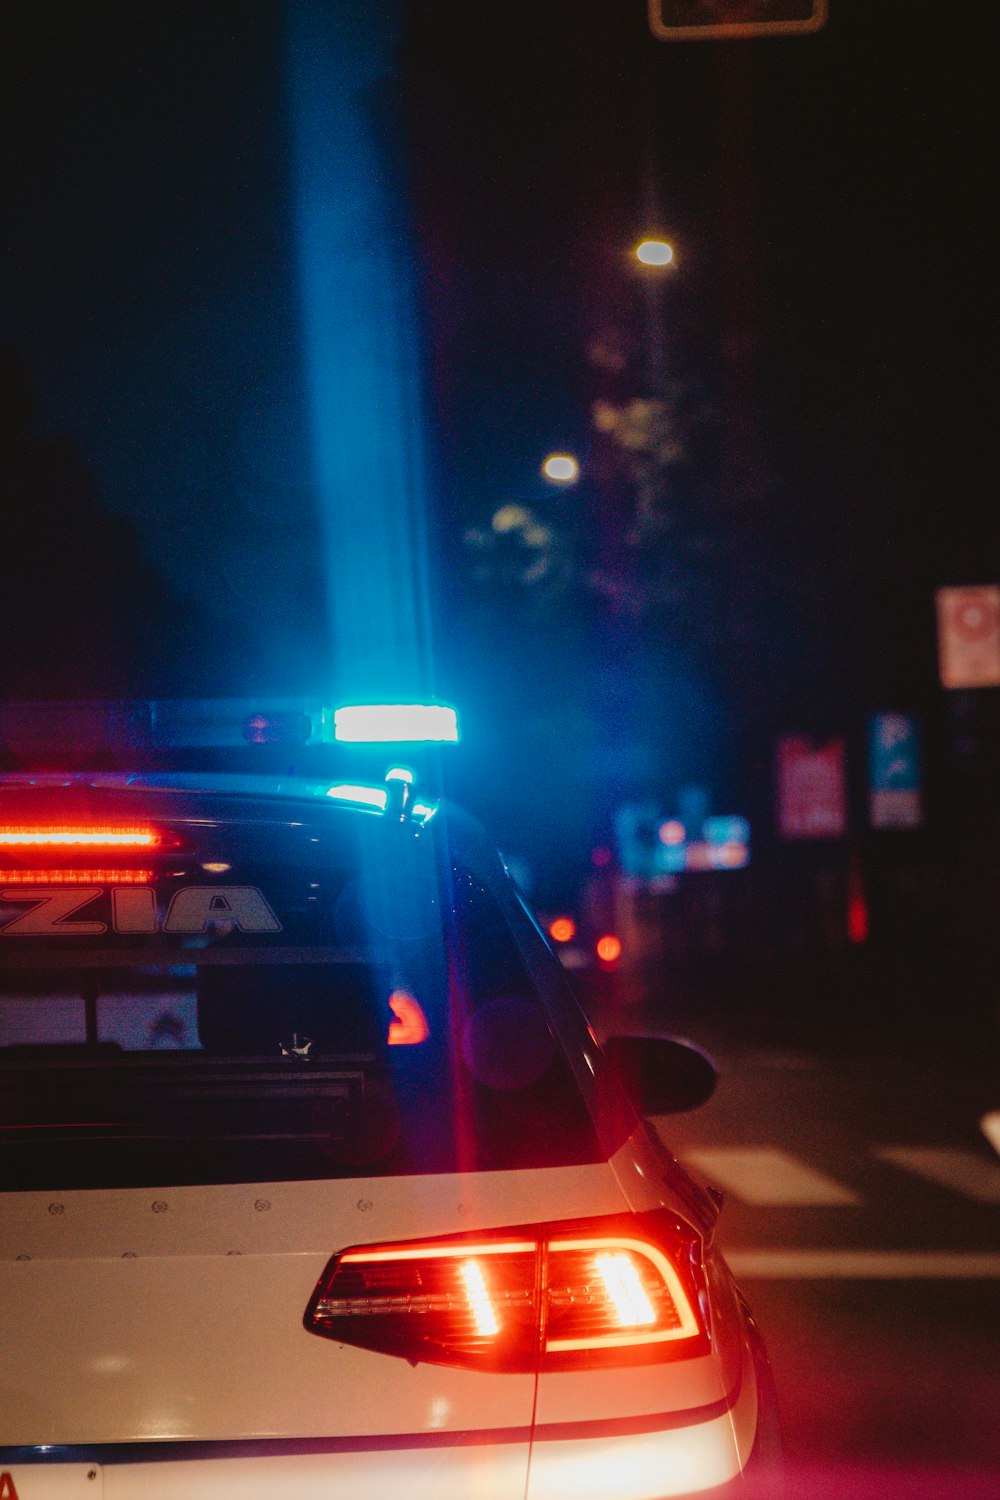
pixel 990 1126
pixel 766 1177
pixel 962 1171
pixel 769 1178
pixel 864 1265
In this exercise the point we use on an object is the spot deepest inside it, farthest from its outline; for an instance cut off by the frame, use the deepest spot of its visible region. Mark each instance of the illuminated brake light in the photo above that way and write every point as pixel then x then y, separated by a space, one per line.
pixel 75 877
pixel 613 1292
pixel 432 1251
pixel 410 1027
pixel 480 1305
pixel 386 723
pixel 622 1284
pixel 591 1299
pixel 80 838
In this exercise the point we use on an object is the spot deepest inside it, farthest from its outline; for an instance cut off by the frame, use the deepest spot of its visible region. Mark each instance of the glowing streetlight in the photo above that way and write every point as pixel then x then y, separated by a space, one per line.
pixel 561 468
pixel 655 253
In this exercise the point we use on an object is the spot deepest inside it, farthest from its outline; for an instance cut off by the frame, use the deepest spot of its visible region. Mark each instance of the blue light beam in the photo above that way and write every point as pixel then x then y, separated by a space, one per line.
pixel 362 353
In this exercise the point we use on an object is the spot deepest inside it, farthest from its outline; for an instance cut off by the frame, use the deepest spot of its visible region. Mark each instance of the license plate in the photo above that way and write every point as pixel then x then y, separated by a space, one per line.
pixel 51 1482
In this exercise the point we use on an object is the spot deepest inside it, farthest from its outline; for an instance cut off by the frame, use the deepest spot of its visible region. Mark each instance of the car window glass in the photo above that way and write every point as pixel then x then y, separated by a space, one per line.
pixel 419 1044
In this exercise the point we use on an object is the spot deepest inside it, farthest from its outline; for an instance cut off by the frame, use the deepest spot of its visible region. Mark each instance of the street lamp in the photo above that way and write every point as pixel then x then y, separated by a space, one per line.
pixel 655 256
pixel 561 468
pixel 655 253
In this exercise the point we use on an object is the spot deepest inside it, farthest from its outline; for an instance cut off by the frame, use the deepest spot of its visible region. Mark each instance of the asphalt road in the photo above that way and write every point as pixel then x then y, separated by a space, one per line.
pixel 862 1218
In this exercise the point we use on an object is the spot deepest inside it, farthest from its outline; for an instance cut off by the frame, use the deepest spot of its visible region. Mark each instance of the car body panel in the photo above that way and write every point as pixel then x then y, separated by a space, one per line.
pixel 177 1313
pixel 477 1471
pixel 670 1453
pixel 154 1335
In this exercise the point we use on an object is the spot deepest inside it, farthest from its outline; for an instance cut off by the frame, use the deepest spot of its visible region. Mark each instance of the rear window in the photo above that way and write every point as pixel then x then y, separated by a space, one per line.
pixel 269 1020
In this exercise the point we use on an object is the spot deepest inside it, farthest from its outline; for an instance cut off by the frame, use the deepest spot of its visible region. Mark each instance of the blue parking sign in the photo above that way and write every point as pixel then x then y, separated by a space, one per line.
pixel 894 771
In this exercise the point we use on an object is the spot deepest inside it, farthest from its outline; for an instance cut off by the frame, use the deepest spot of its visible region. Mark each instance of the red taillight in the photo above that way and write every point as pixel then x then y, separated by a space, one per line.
pixel 469 1303
pixel 632 1295
pixel 602 1293
pixel 77 836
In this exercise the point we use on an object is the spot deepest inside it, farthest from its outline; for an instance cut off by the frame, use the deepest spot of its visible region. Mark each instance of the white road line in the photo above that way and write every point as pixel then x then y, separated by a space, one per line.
pixel 864 1265
pixel 962 1171
pixel 768 1178
pixel 990 1126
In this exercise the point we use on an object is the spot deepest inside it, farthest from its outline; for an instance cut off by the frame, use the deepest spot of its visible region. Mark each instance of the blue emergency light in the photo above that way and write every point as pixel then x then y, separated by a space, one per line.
pixel 395 723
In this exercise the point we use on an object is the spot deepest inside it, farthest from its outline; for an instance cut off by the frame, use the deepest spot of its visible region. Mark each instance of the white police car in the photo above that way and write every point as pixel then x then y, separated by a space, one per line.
pixel 313 1180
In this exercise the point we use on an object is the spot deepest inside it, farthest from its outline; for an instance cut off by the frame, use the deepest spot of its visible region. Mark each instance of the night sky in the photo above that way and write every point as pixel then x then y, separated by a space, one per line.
pixel 824 333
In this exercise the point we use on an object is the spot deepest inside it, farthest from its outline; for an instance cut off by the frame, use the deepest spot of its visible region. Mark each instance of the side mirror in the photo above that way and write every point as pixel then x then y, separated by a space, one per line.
pixel 663 1076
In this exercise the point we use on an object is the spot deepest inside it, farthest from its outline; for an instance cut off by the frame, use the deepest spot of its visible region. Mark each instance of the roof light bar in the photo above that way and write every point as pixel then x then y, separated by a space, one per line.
pixel 281 727
pixel 74 729
pixel 162 723
pixel 395 723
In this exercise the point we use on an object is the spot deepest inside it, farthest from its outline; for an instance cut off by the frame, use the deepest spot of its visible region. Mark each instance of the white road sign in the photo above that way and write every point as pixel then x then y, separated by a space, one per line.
pixel 969 636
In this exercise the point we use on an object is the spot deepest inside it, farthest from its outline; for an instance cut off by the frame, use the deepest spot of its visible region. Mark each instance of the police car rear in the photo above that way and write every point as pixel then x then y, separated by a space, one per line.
pixel 314 1180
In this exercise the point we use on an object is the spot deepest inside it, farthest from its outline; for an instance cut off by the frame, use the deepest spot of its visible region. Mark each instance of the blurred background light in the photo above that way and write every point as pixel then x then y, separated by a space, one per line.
pixel 671 832
pixel 608 948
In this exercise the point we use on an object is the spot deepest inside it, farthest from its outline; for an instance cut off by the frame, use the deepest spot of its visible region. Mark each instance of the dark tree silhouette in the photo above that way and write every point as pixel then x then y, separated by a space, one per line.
pixel 83 614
